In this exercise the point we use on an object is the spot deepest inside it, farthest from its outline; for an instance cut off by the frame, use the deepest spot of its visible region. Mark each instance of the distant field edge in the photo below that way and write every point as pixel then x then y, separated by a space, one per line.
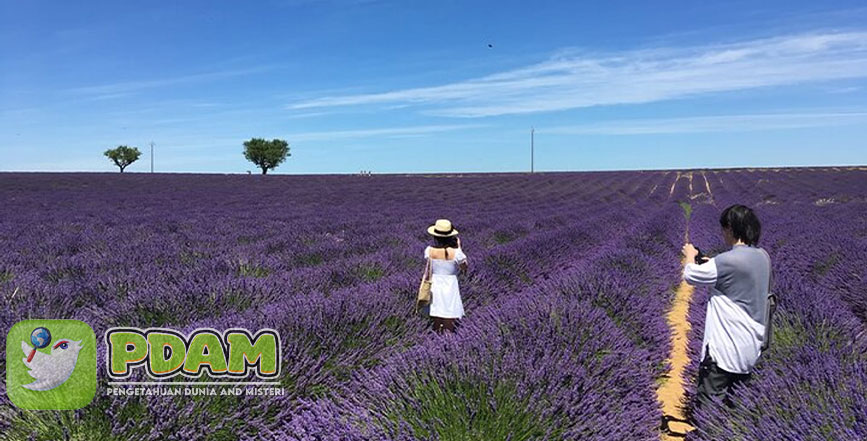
pixel 847 167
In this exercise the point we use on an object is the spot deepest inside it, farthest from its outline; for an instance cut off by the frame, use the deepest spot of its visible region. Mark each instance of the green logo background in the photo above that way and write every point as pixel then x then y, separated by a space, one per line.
pixel 77 391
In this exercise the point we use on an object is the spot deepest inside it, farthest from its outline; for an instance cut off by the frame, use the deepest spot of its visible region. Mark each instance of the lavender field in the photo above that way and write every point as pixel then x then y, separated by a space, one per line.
pixel 565 335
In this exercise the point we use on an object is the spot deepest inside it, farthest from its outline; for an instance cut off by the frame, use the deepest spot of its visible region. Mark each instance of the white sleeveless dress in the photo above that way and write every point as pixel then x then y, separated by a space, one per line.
pixel 445 294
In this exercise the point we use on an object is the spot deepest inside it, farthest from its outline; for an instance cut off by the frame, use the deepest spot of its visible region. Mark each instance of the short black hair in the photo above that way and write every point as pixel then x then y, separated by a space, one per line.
pixel 743 223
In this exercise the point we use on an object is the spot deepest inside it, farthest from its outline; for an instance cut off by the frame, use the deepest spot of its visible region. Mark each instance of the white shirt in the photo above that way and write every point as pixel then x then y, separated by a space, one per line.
pixel 734 328
pixel 445 294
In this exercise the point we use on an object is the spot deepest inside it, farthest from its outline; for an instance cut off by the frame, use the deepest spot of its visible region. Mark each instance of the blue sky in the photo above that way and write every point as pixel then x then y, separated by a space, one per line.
pixel 413 86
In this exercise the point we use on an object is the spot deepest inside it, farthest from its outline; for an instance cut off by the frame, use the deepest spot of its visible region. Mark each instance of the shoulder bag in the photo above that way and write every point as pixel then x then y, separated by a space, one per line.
pixel 424 295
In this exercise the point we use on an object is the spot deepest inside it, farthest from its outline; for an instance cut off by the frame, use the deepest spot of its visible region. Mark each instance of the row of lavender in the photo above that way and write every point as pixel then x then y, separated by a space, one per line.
pixel 534 252
pixel 572 357
pixel 332 262
pixel 812 383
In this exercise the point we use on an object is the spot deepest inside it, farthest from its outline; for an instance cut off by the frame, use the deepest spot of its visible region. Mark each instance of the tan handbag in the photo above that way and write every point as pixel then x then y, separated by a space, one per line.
pixel 424 297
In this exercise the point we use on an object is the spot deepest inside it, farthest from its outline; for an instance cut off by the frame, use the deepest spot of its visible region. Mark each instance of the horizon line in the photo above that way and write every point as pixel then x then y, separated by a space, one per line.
pixel 851 167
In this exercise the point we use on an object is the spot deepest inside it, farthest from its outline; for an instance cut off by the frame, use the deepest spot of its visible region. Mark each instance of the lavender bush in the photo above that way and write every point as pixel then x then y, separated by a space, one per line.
pixel 564 338
pixel 811 384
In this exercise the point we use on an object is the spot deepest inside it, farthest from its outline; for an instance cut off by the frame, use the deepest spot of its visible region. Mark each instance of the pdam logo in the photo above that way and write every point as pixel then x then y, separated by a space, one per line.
pixel 165 353
pixel 51 364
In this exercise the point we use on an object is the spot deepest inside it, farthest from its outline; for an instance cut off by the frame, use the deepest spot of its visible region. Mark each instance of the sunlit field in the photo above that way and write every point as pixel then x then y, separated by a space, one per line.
pixel 570 278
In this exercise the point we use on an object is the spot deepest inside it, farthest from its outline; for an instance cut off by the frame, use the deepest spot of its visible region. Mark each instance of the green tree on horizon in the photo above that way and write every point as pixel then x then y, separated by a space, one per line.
pixel 266 154
pixel 123 156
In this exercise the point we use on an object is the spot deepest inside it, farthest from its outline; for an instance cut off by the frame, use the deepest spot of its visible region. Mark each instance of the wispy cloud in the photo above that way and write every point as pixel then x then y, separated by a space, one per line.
pixel 307 115
pixel 110 96
pixel 573 79
pixel 380 132
pixel 118 89
pixel 719 123
pixel 844 89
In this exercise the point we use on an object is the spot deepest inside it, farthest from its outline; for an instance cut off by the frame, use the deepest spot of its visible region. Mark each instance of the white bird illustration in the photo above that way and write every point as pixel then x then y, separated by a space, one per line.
pixel 51 370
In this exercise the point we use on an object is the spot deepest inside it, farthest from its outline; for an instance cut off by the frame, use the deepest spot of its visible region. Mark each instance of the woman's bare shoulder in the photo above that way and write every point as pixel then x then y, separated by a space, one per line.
pixel 443 253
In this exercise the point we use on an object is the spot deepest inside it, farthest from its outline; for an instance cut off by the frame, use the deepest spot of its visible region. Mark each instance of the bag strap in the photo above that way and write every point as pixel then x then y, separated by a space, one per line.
pixel 771 305
pixel 427 267
pixel 770 272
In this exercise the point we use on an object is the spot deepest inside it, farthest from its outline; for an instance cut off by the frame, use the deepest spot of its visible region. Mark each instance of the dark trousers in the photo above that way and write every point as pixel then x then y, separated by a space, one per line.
pixel 714 382
pixel 443 324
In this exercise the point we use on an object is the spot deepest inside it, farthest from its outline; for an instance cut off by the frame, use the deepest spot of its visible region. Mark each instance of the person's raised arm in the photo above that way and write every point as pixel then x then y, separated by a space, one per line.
pixel 689 252
pixel 697 274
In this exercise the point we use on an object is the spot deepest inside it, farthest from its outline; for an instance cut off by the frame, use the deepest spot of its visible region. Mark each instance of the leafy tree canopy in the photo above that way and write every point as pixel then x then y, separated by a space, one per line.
pixel 123 156
pixel 266 154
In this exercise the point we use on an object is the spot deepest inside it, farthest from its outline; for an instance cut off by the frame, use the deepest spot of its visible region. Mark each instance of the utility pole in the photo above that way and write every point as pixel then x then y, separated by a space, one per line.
pixel 152 156
pixel 532 149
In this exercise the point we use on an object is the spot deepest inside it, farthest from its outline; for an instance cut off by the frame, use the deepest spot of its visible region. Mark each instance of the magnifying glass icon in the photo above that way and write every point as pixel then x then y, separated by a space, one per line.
pixel 40 338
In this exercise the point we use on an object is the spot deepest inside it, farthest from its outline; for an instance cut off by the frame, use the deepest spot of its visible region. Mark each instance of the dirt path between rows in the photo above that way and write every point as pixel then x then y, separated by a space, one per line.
pixel 674 184
pixel 670 394
pixel 707 186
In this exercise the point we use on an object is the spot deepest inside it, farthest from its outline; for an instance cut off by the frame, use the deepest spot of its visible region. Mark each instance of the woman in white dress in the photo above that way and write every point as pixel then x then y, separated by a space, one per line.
pixel 447 261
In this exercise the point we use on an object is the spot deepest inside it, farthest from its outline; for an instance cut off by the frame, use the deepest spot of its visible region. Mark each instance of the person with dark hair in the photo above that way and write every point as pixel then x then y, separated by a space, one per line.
pixel 741 224
pixel 734 329
pixel 447 260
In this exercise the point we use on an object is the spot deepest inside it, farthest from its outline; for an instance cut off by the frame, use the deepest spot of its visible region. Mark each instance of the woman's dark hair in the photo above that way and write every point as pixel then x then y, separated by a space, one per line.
pixel 743 223
pixel 446 242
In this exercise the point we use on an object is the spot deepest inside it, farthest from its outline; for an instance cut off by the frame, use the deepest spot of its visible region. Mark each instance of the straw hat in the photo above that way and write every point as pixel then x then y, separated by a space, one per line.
pixel 442 228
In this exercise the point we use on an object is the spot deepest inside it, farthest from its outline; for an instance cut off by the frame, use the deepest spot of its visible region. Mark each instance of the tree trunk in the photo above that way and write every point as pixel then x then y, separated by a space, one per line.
pixel 121 169
pixel 264 170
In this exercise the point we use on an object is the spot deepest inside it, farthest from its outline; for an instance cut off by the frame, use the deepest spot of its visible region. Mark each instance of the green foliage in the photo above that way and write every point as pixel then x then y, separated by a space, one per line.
pixel 472 410
pixel 687 210
pixel 310 259
pixel 266 154
pixel 822 267
pixel 790 332
pixel 369 272
pixel 509 270
pixel 152 315
pixel 6 276
pixel 123 156
pixel 237 300
pixel 60 425
pixel 506 236
pixel 252 270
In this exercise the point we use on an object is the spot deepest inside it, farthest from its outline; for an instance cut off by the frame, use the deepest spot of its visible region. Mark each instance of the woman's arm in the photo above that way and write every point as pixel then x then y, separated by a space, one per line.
pixel 461 257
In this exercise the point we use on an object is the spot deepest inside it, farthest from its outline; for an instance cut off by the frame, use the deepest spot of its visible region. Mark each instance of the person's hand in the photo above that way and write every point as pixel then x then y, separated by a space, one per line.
pixel 689 252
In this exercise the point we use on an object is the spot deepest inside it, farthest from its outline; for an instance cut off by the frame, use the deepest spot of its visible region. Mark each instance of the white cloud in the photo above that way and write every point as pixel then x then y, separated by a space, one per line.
pixel 574 80
pixel 119 89
pixel 843 89
pixel 719 123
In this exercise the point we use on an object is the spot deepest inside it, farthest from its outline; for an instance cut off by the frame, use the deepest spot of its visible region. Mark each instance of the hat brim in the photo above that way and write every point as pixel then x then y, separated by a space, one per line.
pixel 432 231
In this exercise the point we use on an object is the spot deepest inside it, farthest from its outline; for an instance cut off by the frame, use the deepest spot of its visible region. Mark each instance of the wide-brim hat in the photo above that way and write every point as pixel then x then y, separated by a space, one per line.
pixel 442 228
